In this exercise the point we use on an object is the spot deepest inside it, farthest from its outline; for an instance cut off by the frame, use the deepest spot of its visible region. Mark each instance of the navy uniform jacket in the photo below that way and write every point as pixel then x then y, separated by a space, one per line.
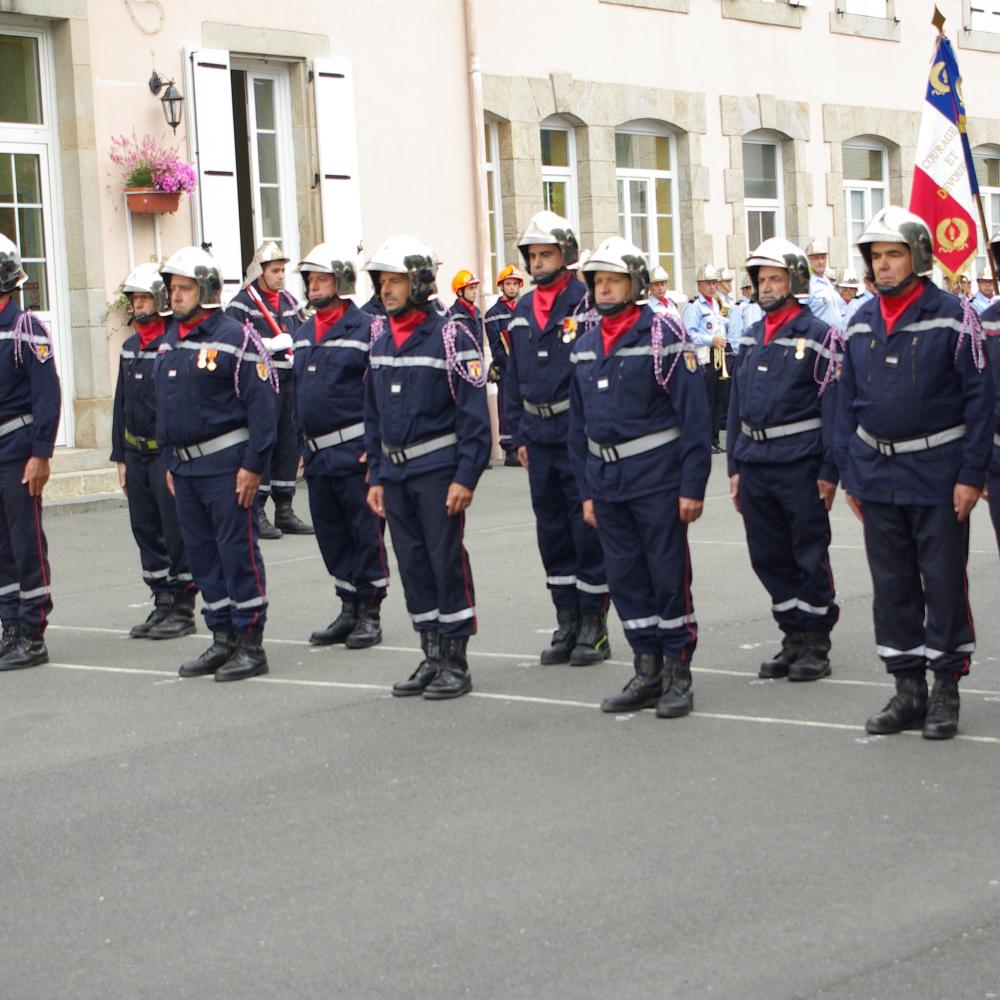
pixel 196 404
pixel 497 319
pixel 407 401
pixel 991 328
pixel 616 398
pixel 775 384
pixel 135 394
pixel 473 320
pixel 539 369
pixel 241 307
pixel 28 387
pixel 374 307
pixel 330 389
pixel 906 385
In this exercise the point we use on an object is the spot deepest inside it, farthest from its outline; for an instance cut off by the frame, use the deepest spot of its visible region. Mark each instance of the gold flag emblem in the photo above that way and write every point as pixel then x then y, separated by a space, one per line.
pixel 952 235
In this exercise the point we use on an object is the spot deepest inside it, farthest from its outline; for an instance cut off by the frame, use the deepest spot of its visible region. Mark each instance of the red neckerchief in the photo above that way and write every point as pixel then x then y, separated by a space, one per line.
pixel 148 332
pixel 511 304
pixel 327 318
pixel 470 307
pixel 774 321
pixel 893 306
pixel 545 296
pixel 404 325
pixel 183 329
pixel 273 299
pixel 613 328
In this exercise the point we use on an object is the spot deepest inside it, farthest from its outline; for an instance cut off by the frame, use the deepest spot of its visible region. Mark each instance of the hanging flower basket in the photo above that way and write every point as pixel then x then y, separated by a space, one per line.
pixel 150 201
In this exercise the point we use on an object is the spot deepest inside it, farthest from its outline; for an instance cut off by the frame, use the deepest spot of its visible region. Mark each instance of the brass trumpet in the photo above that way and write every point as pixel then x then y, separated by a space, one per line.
pixel 719 363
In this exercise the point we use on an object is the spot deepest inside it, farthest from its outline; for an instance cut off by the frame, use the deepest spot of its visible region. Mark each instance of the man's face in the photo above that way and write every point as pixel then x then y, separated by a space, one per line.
pixel 184 294
pixel 320 286
pixel 395 290
pixel 726 287
pixel 892 263
pixel 544 258
pixel 986 286
pixel 708 288
pixel 658 288
pixel 747 291
pixel 847 293
pixel 273 277
pixel 470 292
pixel 817 261
pixel 510 288
pixel 773 284
pixel 611 288
pixel 143 304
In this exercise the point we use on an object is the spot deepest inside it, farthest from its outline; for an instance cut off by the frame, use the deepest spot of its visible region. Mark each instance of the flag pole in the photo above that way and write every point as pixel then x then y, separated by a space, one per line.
pixel 938 21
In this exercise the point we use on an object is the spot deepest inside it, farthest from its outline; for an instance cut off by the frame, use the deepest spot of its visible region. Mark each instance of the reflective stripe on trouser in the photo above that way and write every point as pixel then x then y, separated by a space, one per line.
pixel 152 512
pixel 349 535
pixel 570 550
pixel 649 572
pixel 433 564
pixel 223 550
pixel 278 478
pixel 788 535
pixel 917 557
pixel 25 593
pixel 505 441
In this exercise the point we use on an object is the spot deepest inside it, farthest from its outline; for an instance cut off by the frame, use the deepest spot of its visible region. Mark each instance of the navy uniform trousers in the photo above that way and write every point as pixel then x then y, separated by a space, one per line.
pixel 278 480
pixel 25 597
pixel 570 549
pixel 349 535
pixel 429 547
pixel 788 535
pixel 152 513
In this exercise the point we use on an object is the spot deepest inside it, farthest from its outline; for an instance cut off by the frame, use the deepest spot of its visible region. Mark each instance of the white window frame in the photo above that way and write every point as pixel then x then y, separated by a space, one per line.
pixel 854 261
pixel 562 175
pixel 991 209
pixel 43 140
pixel 772 205
pixel 492 169
pixel 625 174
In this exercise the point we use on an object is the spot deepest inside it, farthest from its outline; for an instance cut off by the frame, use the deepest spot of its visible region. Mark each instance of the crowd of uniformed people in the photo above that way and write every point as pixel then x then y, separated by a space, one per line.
pixel 612 392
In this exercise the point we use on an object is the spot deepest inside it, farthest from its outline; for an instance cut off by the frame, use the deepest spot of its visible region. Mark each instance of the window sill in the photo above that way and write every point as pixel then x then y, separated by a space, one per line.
pixel 782 14
pixel 861 26
pixel 981 41
pixel 674 6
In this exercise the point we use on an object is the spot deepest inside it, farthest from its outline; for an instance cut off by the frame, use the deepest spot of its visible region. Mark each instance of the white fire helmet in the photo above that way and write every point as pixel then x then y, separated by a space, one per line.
pixel 708 272
pixel 658 273
pixel 193 262
pixel 548 228
pixel 779 252
pixel 267 253
pixel 147 278
pixel 325 260
pixel 816 246
pixel 619 256
pixel 12 273
pixel 849 280
pixel 896 225
pixel 404 254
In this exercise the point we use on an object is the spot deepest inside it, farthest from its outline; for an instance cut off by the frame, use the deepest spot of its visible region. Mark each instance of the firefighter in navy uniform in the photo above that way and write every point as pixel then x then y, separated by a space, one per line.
pixel 465 285
pixel 331 364
pixel 275 315
pixel 913 435
pixel 782 472
pixel 215 420
pixel 427 434
pixel 29 416
pixel 990 318
pixel 497 319
pixel 536 406
pixel 141 470
pixel 640 442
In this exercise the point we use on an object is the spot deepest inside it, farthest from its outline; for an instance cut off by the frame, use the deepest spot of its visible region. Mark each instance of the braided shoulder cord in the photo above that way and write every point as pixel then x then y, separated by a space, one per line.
pixel 663 323
pixel 251 336
pixel 972 327
pixel 449 334
pixel 24 334
pixel 584 313
pixel 833 344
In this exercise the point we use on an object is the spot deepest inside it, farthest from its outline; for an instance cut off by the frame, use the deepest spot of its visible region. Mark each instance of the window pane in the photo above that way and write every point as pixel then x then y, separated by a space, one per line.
pixel 270 214
pixel 554 196
pixel 664 235
pixel 987 170
pixel 640 232
pixel 638 195
pixel 35 292
pixel 6 180
pixel 878 200
pixel 760 170
pixel 267 158
pixel 19 80
pixel 7 226
pixel 263 96
pixel 555 148
pixel 621 210
pixel 664 204
pixel 641 152
pixel 32 237
pixel 862 164
pixel 26 170
pixel 873 8
pixel 857 205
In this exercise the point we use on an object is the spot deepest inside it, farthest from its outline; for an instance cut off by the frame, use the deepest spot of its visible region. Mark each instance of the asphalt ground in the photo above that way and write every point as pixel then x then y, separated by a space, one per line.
pixel 305 835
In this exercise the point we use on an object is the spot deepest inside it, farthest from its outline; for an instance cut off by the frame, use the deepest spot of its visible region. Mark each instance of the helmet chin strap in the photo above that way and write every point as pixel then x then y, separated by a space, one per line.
pixel 770 307
pixel 892 290
pixel 612 308
pixel 189 315
pixel 326 300
pixel 549 277
pixel 143 319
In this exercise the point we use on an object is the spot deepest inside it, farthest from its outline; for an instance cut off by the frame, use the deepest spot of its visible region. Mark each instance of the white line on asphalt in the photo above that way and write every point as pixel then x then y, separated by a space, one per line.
pixel 520 699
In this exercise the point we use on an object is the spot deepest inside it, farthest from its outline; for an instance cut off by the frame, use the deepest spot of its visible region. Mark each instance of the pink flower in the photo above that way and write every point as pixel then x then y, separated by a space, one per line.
pixel 148 163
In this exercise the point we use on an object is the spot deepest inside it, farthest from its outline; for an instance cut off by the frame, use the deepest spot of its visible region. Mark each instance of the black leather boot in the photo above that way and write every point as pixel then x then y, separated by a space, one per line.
pixel 180 620
pixel 813 662
pixel 510 459
pixel 368 630
pixel 162 605
pixel 592 643
pixel 564 637
pixel 340 628
pixel 27 650
pixel 286 520
pixel 678 698
pixel 430 643
pixel 249 660
pixel 222 648
pixel 941 722
pixel 453 679
pixel 643 690
pixel 9 638
pixel 264 527
pixel 777 666
pixel 905 710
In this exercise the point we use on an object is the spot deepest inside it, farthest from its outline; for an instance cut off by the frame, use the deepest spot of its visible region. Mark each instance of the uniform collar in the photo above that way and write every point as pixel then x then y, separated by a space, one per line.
pixel 10 313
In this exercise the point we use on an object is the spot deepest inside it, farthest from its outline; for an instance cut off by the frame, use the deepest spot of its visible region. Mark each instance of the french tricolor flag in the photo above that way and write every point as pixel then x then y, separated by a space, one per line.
pixel 944 180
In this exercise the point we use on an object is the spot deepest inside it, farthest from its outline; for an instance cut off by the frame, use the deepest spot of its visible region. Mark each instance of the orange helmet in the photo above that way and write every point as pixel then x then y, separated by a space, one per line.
pixel 462 280
pixel 508 272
